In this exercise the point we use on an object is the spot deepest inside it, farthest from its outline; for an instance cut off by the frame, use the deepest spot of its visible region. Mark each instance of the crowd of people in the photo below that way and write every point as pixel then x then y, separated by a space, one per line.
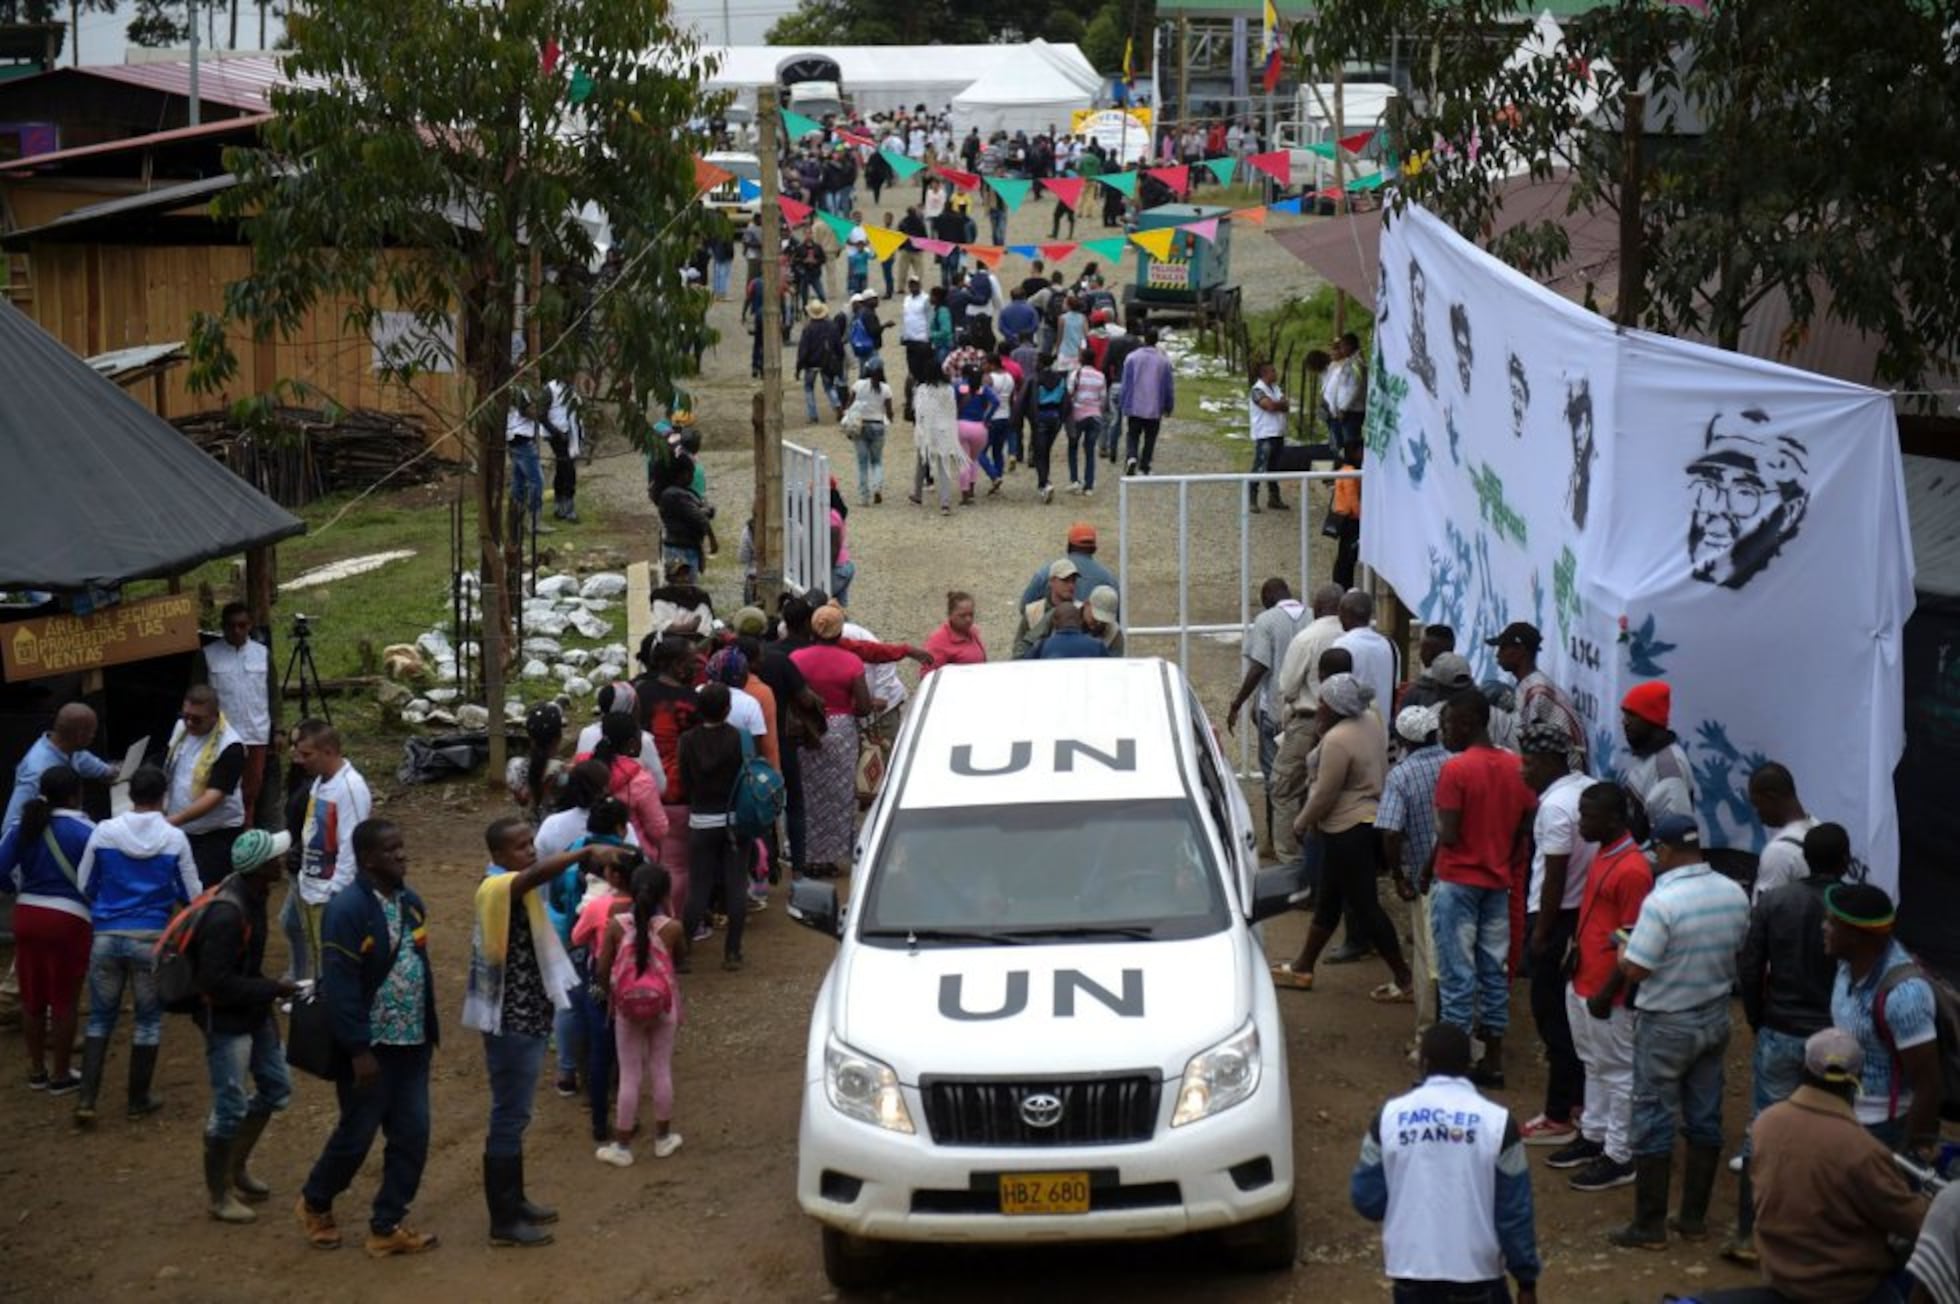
pixel 1512 858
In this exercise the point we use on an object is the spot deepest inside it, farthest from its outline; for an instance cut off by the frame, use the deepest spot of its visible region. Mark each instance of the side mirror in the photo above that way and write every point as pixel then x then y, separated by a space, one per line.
pixel 814 905
pixel 1273 891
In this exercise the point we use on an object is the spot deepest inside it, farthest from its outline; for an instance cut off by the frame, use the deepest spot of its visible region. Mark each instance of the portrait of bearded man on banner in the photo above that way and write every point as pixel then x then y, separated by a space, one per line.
pixel 1585 449
pixel 1460 338
pixel 1750 490
pixel 1520 394
pixel 1421 365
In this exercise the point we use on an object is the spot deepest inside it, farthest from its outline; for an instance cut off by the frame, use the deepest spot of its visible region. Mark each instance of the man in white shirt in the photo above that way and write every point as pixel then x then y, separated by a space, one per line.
pixel 1265 648
pixel 888 691
pixel 1377 663
pixel 205 762
pixel 1298 702
pixel 915 314
pixel 1266 408
pixel 1560 862
pixel 337 801
pixel 1342 392
pixel 1773 795
pixel 237 666
pixel 563 428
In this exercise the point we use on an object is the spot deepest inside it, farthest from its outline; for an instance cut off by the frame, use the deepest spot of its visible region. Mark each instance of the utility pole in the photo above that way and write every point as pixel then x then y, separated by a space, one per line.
pixel 197 105
pixel 1184 68
pixel 1340 180
pixel 768 510
pixel 1633 253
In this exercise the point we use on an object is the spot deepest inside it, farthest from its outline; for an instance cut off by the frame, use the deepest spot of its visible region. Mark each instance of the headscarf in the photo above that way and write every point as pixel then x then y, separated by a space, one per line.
pixel 729 667
pixel 1345 695
pixel 619 696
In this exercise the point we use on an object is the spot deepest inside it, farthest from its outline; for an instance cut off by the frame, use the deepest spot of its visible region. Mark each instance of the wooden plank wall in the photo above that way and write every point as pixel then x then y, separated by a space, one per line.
pixel 95 298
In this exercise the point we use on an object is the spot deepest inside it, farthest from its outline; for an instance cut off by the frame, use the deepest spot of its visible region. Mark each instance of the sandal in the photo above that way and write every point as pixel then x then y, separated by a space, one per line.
pixel 1285 975
pixel 1392 993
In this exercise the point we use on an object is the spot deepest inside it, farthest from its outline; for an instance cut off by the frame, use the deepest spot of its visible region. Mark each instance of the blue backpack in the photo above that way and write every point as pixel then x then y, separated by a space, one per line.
pixel 862 342
pixel 757 799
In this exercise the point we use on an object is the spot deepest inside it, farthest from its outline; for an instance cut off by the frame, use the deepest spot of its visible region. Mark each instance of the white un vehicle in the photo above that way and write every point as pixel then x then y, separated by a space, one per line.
pixel 1049 1018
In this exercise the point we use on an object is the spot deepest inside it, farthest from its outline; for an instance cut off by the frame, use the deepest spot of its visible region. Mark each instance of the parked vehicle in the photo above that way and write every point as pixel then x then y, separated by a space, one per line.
pixel 727 197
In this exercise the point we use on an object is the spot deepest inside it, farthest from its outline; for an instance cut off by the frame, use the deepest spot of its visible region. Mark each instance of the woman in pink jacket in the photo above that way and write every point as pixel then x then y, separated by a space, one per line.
pixel 957 642
pixel 619 749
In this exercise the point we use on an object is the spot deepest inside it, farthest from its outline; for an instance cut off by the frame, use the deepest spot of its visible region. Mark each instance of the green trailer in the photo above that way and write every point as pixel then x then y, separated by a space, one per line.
pixel 1191 286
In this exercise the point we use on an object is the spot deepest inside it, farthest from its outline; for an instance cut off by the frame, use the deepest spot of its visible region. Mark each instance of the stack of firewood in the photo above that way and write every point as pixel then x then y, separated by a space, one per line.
pixel 294 455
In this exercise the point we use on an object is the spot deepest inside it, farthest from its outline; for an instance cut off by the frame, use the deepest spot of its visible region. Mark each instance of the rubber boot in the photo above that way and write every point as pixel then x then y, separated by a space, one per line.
pixel 217 1182
pixel 249 1188
pixel 501 1187
pixel 142 1070
pixel 95 1053
pixel 1648 1230
pixel 1697 1184
pixel 532 1213
pixel 1741 1246
pixel 1489 1072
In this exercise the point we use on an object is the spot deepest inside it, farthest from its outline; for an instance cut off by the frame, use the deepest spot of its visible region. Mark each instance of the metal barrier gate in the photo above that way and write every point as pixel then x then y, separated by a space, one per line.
pixel 1183 629
pixel 806 519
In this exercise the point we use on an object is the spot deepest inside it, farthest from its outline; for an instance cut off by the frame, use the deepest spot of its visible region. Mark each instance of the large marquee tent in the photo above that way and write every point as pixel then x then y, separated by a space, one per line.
pixel 883 78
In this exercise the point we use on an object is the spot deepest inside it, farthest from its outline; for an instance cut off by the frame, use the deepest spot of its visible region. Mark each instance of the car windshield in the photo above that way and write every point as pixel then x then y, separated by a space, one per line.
pixel 1115 870
pixel 746 168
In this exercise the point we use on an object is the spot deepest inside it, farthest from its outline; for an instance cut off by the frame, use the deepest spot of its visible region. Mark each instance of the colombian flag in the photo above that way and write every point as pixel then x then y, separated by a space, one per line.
pixel 1274 61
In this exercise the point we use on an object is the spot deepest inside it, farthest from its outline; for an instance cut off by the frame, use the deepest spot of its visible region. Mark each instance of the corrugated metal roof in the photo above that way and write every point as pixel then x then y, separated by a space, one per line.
pixel 160 200
pixel 1933 508
pixel 244 83
pixel 240 126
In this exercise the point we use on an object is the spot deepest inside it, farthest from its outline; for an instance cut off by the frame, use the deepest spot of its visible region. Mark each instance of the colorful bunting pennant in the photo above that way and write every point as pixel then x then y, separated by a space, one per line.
pixel 1177 178
pixel 1027 251
pixel 988 254
pixel 1277 164
pixel 1207 230
pixel 961 180
pixel 1156 243
pixel 1055 253
pixel 841 227
pixel 1013 191
pixel 795 211
pixel 1109 248
pixel 1360 140
pixel 799 126
pixel 1256 215
pixel 1123 183
pixel 582 86
pixel 707 176
pixel 1287 206
pixel 748 189
pixel 884 241
pixel 937 248
pixel 550 55
pixel 1373 181
pixel 1222 169
pixel 855 139
pixel 902 167
pixel 1066 189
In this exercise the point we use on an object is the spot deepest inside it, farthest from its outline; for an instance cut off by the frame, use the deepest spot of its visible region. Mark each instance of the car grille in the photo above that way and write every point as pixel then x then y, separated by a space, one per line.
pixel 1094 1111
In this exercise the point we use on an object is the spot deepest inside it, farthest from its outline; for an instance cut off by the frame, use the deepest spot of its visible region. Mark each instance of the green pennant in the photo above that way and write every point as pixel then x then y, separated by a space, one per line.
pixel 1109 249
pixel 799 126
pixel 581 87
pixel 1222 169
pixel 1373 181
pixel 1013 191
pixel 841 227
pixel 1323 148
pixel 1123 183
pixel 902 167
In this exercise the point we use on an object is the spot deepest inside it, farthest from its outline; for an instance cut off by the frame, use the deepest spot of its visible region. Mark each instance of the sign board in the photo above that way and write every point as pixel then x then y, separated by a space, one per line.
pixel 1125 135
pixel 130 631
pixel 1168 274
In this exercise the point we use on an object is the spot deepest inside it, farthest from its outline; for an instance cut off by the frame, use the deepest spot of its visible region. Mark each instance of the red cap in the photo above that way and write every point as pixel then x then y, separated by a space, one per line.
pixel 1082 535
pixel 1650 701
pixel 1100 317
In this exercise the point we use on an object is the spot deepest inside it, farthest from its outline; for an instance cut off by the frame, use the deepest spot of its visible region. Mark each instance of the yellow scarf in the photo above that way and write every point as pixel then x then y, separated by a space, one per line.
pixel 483 1002
pixel 207 754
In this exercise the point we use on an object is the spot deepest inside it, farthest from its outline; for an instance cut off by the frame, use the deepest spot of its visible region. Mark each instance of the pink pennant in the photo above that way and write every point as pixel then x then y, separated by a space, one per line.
pixel 1177 178
pixel 795 210
pixel 1056 253
pixel 1277 164
pixel 1206 230
pixel 1066 189
pixel 963 180
pixel 937 248
pixel 856 139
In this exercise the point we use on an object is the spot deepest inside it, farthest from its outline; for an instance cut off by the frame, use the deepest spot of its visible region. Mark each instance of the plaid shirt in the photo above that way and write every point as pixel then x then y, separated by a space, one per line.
pixel 1408 806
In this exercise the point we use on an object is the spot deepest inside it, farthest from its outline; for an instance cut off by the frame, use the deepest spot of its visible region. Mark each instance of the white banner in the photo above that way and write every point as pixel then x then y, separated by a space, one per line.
pixel 1659 510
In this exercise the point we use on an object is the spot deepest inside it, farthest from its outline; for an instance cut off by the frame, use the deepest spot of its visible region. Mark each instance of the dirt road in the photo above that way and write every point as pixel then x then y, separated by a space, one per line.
pixel 117 1213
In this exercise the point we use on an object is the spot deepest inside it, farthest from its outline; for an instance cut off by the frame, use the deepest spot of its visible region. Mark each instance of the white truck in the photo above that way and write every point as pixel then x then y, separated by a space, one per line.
pixel 1049 1017
pixel 1364 106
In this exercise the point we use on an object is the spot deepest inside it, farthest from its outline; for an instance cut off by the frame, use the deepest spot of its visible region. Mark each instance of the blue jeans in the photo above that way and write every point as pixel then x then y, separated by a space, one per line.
pixel 514 1062
pixel 526 475
pixel 1084 434
pixel 1262 460
pixel 833 389
pixel 397 1106
pixel 298 946
pixel 841 576
pixel 870 443
pixel 1003 440
pixel 116 963
pixel 565 1040
pixel 1112 433
pixel 229 1058
pixel 1775 1072
pixel 672 552
pixel 591 1016
pixel 1473 951
pixel 1677 1074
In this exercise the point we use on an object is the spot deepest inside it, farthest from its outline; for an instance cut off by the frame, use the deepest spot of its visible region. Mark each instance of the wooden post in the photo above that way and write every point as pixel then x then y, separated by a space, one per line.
pixel 258 600
pixel 1633 259
pixel 1183 68
pixel 1340 184
pixel 768 512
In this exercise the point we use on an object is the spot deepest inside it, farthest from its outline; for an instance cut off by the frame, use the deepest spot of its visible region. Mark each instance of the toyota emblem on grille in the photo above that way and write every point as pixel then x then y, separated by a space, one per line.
pixel 1041 1109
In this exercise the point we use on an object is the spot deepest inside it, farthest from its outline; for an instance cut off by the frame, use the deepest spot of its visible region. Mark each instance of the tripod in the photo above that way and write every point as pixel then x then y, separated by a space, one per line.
pixel 301 660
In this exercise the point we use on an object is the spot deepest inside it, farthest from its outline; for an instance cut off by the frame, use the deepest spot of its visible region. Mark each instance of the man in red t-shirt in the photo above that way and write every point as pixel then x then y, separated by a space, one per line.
pixel 1596 1002
pixel 1483 827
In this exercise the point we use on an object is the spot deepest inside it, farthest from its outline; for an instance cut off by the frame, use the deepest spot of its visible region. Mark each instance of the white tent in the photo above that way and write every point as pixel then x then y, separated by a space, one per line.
pixel 1034 93
pixel 883 78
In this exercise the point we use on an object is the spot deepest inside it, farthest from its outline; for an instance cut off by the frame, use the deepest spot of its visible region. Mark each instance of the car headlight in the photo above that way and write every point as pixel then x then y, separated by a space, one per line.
pixel 1219 1078
pixel 864 1088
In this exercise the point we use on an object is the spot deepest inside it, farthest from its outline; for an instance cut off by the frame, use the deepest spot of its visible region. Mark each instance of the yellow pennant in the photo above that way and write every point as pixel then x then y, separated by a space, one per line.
pixel 1156 243
pixel 884 242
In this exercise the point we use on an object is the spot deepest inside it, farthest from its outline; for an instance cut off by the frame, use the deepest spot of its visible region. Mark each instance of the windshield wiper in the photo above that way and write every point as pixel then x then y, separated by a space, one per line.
pixel 1130 931
pixel 913 936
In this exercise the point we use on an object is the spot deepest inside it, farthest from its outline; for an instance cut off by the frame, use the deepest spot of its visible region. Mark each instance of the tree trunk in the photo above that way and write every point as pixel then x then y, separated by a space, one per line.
pixel 491 309
pixel 233 43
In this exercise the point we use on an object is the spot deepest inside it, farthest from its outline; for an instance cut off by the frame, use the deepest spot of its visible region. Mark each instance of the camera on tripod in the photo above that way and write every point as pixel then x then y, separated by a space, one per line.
pixel 301 630
pixel 301 662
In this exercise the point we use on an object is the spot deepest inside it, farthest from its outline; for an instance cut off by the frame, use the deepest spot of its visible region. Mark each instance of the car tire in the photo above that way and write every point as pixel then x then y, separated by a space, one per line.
pixel 854 1263
pixel 1269 1244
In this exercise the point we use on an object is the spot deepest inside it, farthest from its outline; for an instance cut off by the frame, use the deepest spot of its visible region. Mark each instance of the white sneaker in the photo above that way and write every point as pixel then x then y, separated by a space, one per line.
pixel 1075 486
pixel 615 1154
pixel 666 1145
pixel 1735 1163
pixel 1048 494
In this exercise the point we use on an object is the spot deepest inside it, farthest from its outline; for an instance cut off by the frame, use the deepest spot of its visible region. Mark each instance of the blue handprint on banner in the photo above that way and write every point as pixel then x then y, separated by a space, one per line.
pixel 1721 787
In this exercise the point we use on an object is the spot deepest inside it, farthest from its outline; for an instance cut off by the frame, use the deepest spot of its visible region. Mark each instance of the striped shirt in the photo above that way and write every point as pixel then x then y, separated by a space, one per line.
pixel 1909 1019
pixel 1408 807
pixel 1690 928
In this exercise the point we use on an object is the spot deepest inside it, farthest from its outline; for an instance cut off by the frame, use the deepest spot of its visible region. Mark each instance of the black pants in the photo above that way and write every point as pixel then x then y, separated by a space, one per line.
pixel 564 471
pixel 396 1106
pixel 1045 430
pixel 1143 430
pixel 1062 213
pixel 713 860
pixel 1452 1292
pixel 212 853
pixel 1347 554
pixel 1565 1076
pixel 794 816
pixel 1352 858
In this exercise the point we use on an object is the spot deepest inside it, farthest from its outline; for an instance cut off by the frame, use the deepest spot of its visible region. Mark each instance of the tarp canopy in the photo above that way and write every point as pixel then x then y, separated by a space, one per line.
pixel 1031 94
pixel 883 78
pixel 101 490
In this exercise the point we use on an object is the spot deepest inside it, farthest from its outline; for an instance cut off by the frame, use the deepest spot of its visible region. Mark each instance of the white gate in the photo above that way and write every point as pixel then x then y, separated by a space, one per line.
pixel 1183 627
pixel 806 519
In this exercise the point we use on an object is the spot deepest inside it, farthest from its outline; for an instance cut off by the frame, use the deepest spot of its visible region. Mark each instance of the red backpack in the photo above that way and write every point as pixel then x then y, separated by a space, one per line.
pixel 175 957
pixel 642 995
